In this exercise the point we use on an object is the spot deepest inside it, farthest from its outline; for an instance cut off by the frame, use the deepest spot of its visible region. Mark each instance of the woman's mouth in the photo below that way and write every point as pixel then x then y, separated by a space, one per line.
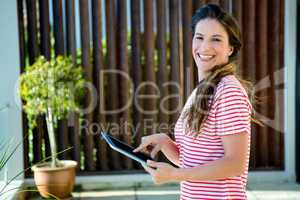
pixel 205 58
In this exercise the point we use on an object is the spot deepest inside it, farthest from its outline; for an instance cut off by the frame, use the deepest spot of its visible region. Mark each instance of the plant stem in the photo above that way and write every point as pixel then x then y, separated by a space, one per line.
pixel 52 140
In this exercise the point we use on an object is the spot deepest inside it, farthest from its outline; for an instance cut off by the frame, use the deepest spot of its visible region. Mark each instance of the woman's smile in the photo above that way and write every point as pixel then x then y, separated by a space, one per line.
pixel 205 58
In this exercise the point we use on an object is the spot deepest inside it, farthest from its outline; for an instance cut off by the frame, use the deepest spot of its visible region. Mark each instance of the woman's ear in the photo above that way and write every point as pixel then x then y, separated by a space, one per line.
pixel 230 51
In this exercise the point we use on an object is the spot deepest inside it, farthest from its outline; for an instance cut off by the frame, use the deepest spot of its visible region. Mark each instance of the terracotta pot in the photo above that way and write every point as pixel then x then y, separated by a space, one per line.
pixel 57 181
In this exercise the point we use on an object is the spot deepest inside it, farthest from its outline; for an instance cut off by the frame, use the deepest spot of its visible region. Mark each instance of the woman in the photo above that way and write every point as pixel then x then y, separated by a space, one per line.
pixel 212 134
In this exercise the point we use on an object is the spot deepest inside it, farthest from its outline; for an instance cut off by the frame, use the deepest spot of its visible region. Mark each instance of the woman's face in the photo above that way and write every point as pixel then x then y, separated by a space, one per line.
pixel 210 45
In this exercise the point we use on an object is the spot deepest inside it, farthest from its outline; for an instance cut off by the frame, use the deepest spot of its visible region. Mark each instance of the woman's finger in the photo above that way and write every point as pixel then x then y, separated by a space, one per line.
pixel 143 145
pixel 149 169
pixel 155 150
pixel 152 163
pixel 139 148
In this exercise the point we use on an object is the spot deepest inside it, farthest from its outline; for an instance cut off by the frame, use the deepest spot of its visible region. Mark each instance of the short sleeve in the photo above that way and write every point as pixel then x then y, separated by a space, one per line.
pixel 178 134
pixel 232 111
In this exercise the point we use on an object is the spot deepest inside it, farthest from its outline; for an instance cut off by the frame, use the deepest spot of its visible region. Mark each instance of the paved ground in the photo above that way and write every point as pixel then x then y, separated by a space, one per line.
pixel 261 191
pixel 266 191
pixel 274 191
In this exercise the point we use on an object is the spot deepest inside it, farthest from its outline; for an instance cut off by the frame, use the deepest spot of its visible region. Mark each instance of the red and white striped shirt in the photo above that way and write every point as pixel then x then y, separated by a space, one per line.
pixel 230 114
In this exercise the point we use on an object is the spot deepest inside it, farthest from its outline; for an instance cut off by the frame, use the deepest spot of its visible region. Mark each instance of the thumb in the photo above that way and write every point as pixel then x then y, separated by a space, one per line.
pixel 152 163
pixel 156 165
pixel 148 169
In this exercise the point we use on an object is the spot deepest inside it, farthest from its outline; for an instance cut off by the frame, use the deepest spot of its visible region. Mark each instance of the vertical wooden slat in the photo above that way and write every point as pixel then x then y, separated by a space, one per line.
pixel 181 59
pixel 123 82
pixel 45 51
pixel 198 4
pixel 262 72
pixel 217 2
pixel 62 136
pixel 21 34
pixel 44 28
pixel 136 72
pixel 162 74
pixel 33 53
pixel 85 46
pixel 149 103
pixel 33 49
pixel 248 17
pixel 281 120
pixel 174 60
pixel 277 80
pixel 70 29
pixel 102 162
pixel 225 4
pixel 20 7
pixel 188 63
pixel 73 129
pixel 46 139
pixel 112 78
pixel 237 12
pixel 58 28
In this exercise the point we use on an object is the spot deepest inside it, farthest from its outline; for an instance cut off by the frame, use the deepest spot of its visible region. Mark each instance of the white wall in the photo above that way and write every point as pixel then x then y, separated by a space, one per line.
pixel 290 49
pixel 10 119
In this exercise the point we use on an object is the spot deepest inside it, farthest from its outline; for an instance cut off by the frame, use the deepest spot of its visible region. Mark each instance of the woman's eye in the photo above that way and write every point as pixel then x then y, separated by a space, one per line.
pixel 198 38
pixel 216 40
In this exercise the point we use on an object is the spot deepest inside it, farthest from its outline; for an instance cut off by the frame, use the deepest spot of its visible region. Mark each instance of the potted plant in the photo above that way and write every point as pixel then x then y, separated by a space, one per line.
pixel 52 88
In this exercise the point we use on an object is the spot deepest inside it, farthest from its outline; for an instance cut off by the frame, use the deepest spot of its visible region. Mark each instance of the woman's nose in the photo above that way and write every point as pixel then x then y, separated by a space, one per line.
pixel 205 45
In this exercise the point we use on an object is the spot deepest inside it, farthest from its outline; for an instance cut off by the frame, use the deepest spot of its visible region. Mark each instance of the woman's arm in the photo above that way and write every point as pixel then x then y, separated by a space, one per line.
pixel 232 164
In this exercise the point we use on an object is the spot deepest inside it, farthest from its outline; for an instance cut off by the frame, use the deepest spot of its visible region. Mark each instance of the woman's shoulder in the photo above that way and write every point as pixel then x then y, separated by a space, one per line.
pixel 230 85
pixel 230 92
pixel 229 80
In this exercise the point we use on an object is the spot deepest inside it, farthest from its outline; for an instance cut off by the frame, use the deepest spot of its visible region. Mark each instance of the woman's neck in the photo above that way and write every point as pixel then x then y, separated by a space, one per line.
pixel 202 75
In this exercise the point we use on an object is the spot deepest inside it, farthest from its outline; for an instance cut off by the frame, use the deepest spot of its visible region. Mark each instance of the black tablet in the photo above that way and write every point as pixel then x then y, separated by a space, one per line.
pixel 125 149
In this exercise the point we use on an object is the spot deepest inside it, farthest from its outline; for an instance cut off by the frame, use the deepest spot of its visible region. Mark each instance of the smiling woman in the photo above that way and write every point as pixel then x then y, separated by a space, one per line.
pixel 212 134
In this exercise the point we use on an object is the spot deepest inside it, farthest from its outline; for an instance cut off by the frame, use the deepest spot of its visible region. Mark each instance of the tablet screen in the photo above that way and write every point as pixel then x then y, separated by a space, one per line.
pixel 126 148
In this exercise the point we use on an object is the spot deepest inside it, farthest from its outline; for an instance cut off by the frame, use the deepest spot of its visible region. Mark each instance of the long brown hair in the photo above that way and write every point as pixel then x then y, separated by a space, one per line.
pixel 197 113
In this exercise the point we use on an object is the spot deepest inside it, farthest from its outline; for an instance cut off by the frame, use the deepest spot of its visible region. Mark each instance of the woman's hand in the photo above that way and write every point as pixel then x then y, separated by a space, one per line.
pixel 161 172
pixel 152 144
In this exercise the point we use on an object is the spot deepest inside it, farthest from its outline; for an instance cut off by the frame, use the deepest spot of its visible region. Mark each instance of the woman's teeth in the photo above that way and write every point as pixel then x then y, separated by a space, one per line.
pixel 205 57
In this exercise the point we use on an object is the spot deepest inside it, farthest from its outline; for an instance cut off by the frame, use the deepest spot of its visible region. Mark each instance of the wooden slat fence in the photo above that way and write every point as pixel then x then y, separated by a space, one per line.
pixel 150 42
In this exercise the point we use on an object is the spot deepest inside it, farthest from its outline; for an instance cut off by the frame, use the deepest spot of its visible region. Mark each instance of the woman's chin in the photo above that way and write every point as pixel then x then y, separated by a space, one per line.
pixel 205 68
